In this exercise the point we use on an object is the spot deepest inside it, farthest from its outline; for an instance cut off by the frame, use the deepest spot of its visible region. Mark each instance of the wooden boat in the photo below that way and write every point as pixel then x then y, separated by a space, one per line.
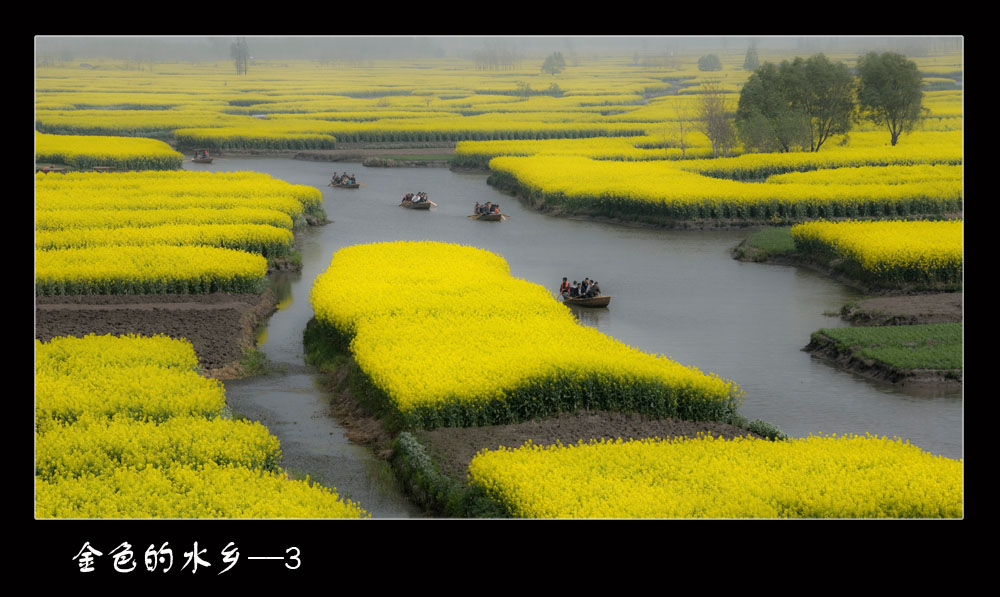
pixel 104 168
pixel 601 300
pixel 346 186
pixel 201 157
pixel 418 204
pixel 489 217
pixel 47 169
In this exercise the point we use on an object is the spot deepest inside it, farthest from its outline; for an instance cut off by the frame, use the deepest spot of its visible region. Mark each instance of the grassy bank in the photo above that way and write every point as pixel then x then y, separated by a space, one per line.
pixel 767 243
pixel 896 353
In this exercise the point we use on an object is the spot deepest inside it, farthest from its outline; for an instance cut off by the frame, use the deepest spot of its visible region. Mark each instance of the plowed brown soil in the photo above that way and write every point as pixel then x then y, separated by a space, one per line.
pixel 453 448
pixel 219 326
pixel 907 309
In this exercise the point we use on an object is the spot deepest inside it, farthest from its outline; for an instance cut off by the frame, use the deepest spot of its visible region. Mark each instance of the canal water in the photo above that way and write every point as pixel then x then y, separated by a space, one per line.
pixel 676 293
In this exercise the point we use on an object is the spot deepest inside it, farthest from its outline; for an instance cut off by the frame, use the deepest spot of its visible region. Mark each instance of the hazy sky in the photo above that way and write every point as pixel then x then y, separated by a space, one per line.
pixel 374 47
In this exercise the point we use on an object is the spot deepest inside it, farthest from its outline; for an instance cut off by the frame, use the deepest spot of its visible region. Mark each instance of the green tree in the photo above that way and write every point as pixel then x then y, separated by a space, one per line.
pixel 709 62
pixel 765 119
pixel 751 62
pixel 801 103
pixel 554 63
pixel 824 91
pixel 890 92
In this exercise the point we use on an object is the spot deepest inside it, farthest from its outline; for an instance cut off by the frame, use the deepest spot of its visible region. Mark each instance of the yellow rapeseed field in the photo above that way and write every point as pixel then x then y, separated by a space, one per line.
pixel 123 153
pixel 706 477
pixel 125 427
pixel 444 350
pixel 163 231
pixel 926 252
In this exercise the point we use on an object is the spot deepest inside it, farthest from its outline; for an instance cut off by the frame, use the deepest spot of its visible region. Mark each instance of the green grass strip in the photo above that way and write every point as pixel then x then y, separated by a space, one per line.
pixel 928 346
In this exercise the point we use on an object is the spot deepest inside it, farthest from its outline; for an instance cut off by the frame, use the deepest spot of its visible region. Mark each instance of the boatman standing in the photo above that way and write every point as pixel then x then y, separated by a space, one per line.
pixel 564 288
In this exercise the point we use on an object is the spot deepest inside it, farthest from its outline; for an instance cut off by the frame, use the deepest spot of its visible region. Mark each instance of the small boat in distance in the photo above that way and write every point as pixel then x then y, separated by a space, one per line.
pixel 418 204
pixel 201 157
pixel 344 181
pixel 417 201
pixel 600 300
pixel 489 217
pixel 488 212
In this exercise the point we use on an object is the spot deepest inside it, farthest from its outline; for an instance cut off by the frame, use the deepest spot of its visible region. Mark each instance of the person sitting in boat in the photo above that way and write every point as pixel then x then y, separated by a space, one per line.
pixel 574 290
pixel 496 208
pixel 353 180
pixel 585 287
pixel 564 288
pixel 476 209
pixel 595 290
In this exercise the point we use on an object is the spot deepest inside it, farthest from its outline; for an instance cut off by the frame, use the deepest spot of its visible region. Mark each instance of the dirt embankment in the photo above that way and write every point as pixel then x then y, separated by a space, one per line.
pixel 907 309
pixel 378 154
pixel 219 326
pixel 452 448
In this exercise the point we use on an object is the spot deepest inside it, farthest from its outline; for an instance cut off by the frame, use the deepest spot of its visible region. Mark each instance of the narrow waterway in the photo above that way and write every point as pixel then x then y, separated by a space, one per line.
pixel 677 293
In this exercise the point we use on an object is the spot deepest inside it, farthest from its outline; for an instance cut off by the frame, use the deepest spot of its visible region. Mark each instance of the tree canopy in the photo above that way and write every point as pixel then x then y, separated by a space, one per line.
pixel 765 118
pixel 709 62
pixel 890 91
pixel 554 63
pixel 798 104
pixel 751 62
